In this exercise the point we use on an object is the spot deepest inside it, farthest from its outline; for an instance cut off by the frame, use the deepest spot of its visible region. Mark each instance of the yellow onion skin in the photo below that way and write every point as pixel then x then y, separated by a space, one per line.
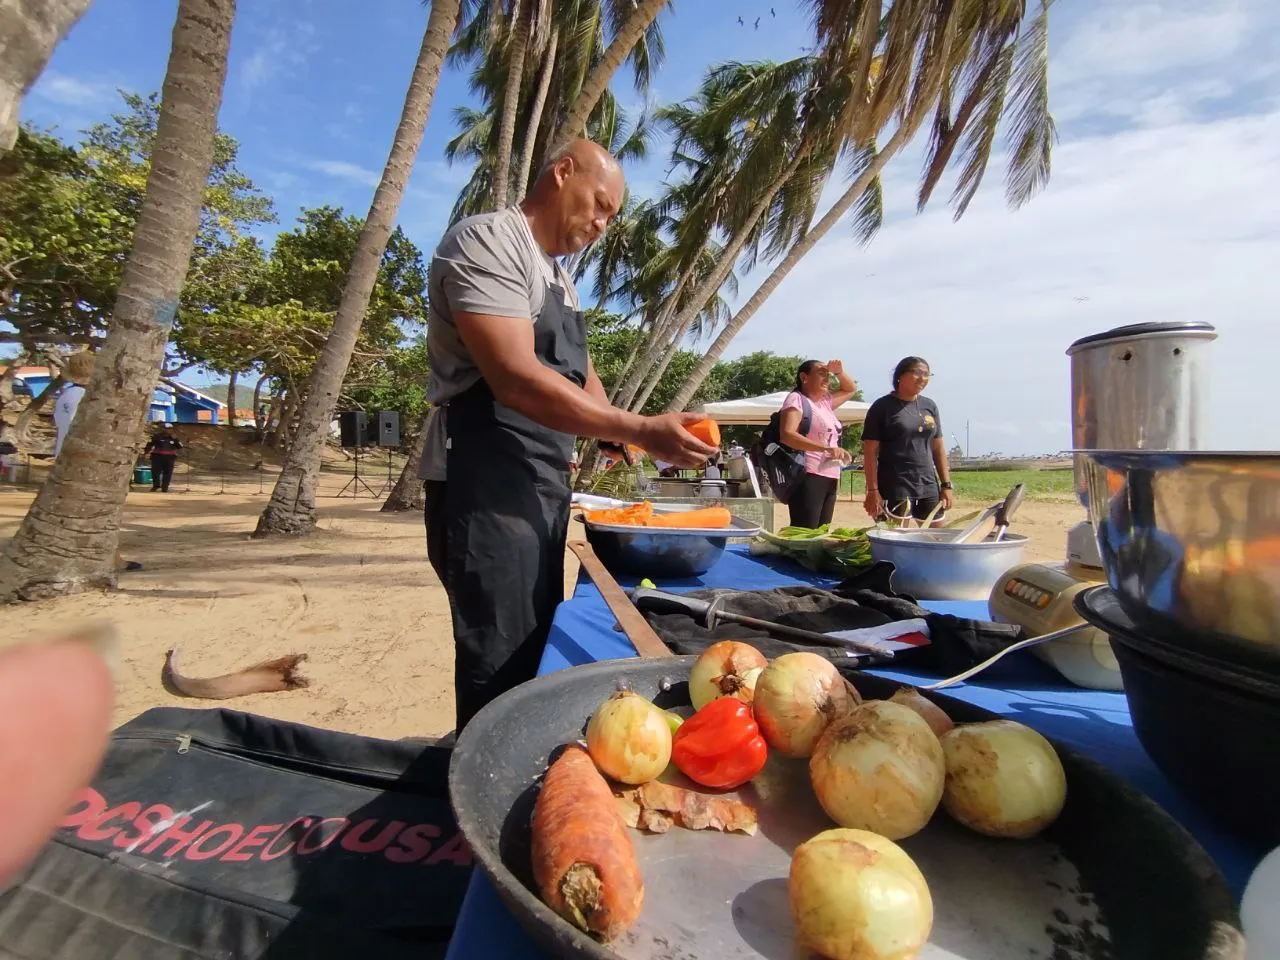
pixel 629 738
pixel 933 714
pixel 1003 779
pixel 879 769
pixel 729 668
pixel 855 895
pixel 797 696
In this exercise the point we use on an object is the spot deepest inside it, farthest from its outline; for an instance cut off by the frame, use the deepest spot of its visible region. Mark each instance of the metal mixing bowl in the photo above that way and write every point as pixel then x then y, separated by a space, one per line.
pixel 656 552
pixel 928 566
pixel 1190 542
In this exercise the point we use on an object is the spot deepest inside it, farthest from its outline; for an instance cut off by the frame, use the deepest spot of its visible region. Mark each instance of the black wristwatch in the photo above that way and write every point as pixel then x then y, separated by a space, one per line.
pixel 945 485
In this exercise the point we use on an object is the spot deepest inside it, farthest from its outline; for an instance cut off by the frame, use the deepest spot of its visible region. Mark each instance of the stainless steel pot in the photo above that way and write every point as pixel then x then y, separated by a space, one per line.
pixel 1139 387
pixel 1190 542
pixel 929 566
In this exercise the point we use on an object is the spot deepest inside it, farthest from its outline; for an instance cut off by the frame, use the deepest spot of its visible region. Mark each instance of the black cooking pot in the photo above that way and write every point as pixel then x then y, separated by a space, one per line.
pixel 1211 726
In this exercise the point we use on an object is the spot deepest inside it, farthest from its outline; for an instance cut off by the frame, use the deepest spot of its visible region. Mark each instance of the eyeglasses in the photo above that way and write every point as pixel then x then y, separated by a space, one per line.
pixel 922 374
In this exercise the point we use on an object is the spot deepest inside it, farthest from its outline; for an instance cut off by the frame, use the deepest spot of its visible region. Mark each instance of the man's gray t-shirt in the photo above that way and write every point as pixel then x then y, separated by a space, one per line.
pixel 486 264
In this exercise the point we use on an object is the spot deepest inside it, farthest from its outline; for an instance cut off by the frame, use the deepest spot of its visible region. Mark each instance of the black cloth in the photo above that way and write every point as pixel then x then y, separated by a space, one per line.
pixel 218 834
pixel 866 600
pixel 161 470
pixel 504 511
pixel 905 430
pixel 813 501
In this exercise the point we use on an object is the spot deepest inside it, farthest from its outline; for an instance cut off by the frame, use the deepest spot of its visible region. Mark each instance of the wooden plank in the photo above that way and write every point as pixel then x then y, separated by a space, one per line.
pixel 632 621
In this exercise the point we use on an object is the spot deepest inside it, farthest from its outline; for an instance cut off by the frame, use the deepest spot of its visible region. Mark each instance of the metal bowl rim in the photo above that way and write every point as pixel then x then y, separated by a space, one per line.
pixel 896 538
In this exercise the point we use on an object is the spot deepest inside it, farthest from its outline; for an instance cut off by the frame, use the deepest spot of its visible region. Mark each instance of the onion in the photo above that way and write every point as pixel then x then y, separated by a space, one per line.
pixel 880 769
pixel 629 738
pixel 1003 779
pixel 857 896
pixel 725 669
pixel 797 695
pixel 933 714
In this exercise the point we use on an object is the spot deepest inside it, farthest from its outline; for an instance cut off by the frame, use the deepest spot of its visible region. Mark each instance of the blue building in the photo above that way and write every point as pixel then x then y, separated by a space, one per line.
pixel 172 402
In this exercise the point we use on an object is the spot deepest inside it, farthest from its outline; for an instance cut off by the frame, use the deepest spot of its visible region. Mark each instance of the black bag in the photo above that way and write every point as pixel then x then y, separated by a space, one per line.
pixel 219 834
pixel 780 466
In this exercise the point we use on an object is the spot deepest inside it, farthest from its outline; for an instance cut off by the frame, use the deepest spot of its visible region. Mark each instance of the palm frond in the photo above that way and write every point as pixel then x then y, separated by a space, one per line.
pixel 980 137
pixel 868 210
pixel 1032 130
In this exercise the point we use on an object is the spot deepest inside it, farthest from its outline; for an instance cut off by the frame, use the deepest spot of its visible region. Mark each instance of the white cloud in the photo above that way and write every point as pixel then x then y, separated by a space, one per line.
pixel 345 171
pixel 286 48
pixel 72 91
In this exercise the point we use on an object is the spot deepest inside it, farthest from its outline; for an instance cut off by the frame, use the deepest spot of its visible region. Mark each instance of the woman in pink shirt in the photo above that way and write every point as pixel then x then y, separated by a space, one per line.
pixel 813 501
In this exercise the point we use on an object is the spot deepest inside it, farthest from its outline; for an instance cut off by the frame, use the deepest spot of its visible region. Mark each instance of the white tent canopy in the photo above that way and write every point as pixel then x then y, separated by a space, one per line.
pixel 758 410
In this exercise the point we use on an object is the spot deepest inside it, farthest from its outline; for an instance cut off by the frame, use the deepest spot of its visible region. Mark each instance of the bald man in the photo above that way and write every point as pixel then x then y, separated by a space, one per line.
pixel 513 387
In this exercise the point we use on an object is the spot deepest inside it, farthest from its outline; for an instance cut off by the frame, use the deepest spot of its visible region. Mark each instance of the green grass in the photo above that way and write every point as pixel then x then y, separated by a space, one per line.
pixel 988 485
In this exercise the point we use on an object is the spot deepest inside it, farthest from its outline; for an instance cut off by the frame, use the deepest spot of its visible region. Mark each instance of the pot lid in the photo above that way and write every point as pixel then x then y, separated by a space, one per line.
pixel 1195 329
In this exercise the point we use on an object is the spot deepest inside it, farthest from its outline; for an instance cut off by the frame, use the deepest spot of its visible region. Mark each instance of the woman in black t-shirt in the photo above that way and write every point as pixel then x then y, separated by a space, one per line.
pixel 903 450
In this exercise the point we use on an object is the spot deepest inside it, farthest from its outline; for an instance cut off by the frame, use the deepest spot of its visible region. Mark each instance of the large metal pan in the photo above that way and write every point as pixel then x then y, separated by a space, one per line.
pixel 1113 868
pixel 662 552
pixel 1190 542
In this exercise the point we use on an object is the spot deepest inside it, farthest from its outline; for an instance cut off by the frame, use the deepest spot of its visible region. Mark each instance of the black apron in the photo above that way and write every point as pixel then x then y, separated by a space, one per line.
pixel 503 510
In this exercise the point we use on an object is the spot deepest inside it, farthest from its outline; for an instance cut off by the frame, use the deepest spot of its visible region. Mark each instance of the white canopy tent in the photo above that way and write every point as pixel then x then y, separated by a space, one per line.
pixel 758 410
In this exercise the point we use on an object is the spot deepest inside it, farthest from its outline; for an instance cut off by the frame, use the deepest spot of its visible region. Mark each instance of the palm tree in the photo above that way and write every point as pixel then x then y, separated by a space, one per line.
pixel 67 541
pixel 628 34
pixel 992 50
pixel 31 29
pixel 293 501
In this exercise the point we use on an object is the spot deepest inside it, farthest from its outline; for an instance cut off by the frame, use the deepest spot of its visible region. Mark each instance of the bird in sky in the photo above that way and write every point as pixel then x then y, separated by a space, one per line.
pixel 771 13
pixel 757 23
pixel 740 23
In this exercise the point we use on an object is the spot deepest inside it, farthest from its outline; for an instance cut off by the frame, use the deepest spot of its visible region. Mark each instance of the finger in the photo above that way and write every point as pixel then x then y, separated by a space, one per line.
pixel 53 733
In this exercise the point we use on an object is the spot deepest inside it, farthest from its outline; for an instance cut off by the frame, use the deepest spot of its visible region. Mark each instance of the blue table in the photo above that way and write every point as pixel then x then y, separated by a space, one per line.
pixel 1022 688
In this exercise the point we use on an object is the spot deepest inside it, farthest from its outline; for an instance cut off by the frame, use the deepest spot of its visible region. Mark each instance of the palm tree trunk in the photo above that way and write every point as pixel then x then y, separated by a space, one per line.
pixel 407 493
pixel 535 116
pixel 67 541
pixel 258 420
pixel 293 501
pixel 575 121
pixel 794 256
pixel 655 376
pixel 511 102
pixel 29 30
pixel 708 288
pixel 231 398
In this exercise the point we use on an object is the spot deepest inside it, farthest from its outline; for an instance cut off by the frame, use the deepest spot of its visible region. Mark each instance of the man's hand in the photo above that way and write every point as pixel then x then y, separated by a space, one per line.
pixel 873 503
pixel 948 499
pixel 664 438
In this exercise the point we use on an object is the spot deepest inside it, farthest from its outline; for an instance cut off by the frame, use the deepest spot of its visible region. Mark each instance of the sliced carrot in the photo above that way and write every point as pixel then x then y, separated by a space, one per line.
pixel 636 514
pixel 708 431
pixel 707 517
pixel 583 860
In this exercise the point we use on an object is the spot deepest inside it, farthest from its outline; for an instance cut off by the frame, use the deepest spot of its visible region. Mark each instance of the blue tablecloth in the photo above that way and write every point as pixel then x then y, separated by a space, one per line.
pixel 1023 688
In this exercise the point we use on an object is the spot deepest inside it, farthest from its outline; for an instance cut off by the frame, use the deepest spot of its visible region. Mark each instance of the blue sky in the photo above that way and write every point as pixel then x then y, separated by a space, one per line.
pixel 1162 206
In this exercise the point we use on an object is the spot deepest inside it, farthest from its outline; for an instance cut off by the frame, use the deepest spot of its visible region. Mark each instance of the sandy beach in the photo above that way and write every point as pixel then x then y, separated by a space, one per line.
pixel 358 598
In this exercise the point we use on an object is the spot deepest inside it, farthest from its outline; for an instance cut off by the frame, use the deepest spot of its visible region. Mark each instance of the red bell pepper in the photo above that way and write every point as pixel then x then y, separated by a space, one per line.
pixel 720 746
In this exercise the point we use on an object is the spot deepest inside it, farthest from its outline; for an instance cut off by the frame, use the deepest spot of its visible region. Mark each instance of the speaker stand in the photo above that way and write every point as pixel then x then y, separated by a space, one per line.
pixel 355 483
pixel 390 483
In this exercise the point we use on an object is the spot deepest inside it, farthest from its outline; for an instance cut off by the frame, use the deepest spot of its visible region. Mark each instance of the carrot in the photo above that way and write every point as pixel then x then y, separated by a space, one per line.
pixel 583 860
pixel 636 513
pixel 708 431
pixel 707 517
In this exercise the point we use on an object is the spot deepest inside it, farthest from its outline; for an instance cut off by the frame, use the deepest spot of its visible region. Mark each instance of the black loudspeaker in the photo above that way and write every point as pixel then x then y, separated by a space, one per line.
pixel 353 428
pixel 387 433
